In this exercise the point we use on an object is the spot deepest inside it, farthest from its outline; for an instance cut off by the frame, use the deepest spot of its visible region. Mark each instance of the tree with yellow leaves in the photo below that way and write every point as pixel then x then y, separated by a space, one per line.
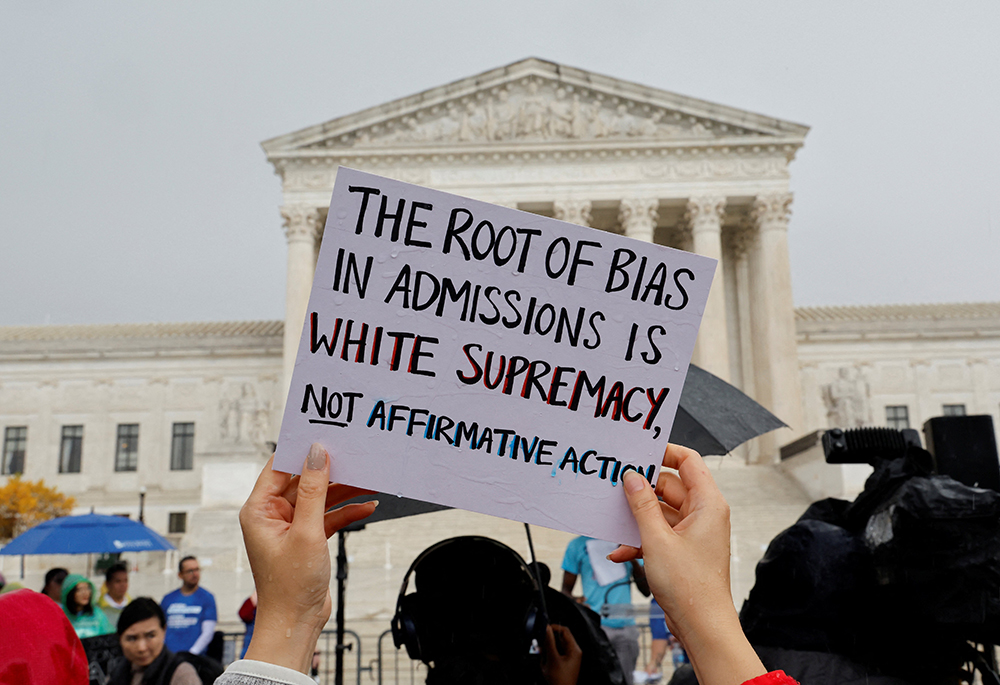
pixel 26 503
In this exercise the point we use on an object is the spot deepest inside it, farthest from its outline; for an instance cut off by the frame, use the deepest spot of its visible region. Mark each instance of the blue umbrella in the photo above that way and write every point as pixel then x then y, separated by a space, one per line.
pixel 89 533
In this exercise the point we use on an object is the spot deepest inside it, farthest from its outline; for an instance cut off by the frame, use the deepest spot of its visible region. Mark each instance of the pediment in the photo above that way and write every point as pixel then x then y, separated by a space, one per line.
pixel 534 102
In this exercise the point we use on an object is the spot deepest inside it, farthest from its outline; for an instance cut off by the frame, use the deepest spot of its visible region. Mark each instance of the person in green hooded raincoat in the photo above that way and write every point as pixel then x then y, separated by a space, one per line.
pixel 78 603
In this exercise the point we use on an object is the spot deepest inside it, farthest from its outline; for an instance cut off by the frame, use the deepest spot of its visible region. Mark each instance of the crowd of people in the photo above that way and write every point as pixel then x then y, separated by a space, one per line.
pixel 499 623
pixel 159 641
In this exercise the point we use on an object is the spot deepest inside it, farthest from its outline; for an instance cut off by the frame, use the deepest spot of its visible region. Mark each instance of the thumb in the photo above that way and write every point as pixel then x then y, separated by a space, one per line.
pixel 310 500
pixel 644 504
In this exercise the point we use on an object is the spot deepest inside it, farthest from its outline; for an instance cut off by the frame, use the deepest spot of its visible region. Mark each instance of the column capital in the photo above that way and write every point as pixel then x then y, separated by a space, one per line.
pixel 301 223
pixel 573 211
pixel 772 210
pixel 638 217
pixel 705 213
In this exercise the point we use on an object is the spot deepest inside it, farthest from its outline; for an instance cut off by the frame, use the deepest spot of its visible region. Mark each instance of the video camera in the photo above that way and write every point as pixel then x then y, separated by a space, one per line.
pixel 900 581
pixel 963 447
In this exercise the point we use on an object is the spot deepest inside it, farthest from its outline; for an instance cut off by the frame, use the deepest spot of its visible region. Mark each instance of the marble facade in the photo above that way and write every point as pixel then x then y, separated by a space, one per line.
pixel 596 151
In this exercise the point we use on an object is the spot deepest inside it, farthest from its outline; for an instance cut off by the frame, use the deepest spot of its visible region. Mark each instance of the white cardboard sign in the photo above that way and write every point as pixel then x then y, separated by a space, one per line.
pixel 485 358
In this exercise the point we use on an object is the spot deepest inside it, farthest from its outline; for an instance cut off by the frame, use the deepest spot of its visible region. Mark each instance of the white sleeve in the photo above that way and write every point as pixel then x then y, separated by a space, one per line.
pixel 207 633
pixel 247 672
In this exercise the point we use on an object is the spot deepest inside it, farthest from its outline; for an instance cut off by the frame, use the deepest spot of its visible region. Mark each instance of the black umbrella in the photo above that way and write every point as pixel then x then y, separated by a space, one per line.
pixel 715 417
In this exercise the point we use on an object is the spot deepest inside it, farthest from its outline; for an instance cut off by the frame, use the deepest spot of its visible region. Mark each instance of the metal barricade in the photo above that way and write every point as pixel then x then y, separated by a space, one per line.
pixel 414 672
pixel 391 666
pixel 326 648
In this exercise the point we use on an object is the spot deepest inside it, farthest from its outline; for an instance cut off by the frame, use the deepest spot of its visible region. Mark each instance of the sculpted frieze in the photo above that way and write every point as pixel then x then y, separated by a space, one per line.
pixel 531 110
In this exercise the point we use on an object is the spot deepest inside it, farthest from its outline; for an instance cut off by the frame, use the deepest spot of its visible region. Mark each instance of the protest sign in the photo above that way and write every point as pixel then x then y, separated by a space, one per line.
pixel 481 357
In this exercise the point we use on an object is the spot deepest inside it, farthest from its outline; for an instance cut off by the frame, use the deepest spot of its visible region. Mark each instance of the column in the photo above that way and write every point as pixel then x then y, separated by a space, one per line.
pixel 638 217
pixel 743 239
pixel 573 211
pixel 711 352
pixel 773 324
pixel 742 243
pixel 301 227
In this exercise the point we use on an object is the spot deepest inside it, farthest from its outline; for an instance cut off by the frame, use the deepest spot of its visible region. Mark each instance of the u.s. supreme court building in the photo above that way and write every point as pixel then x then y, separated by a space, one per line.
pixel 183 413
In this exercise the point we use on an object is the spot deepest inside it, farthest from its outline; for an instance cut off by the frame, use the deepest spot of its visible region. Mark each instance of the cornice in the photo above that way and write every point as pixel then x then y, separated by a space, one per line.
pixel 159 341
pixel 48 354
pixel 977 321
pixel 876 336
pixel 529 151
pixel 76 333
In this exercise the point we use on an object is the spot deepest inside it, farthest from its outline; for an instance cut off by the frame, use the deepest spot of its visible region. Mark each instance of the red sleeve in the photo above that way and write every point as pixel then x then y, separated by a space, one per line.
pixel 772 678
pixel 248 612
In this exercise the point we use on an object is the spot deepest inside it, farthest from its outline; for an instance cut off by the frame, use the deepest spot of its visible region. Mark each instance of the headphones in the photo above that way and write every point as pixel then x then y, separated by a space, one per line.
pixel 406 623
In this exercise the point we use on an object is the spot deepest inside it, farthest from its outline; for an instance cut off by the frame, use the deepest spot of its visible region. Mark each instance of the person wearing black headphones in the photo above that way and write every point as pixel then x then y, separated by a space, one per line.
pixel 478 616
pixel 685 545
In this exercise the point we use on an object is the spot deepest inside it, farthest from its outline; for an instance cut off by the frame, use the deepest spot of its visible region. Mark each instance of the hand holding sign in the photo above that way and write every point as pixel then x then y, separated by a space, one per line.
pixel 485 358
pixel 685 545
pixel 285 526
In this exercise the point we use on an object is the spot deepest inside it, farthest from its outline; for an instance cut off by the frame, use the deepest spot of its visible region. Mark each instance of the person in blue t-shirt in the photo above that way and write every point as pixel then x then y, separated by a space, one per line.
pixel 190 610
pixel 607 589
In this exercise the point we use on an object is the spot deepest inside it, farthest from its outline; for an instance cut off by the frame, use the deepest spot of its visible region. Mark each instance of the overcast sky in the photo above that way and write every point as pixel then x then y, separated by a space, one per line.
pixel 133 186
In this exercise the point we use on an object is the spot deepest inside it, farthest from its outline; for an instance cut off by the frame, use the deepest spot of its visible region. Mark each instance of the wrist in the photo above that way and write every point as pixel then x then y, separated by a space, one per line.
pixel 287 641
pixel 721 654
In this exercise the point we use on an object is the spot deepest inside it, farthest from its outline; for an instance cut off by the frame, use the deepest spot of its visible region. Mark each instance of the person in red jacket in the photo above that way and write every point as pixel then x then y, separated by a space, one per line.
pixel 38 646
pixel 248 614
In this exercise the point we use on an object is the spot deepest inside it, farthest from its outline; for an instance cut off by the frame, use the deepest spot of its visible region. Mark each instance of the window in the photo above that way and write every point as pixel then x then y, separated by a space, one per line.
pixel 15 442
pixel 953 410
pixel 177 522
pixel 71 449
pixel 182 447
pixel 127 451
pixel 897 416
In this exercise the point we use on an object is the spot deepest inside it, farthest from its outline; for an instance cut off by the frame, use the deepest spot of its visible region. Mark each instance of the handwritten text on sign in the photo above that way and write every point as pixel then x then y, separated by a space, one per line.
pixel 480 357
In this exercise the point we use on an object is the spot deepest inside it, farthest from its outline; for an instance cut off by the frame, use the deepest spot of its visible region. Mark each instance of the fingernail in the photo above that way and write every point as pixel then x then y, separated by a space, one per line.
pixel 376 503
pixel 317 457
pixel 633 481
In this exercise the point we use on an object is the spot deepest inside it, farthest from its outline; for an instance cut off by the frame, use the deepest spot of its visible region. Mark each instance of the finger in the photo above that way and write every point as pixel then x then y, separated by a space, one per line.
pixel 625 553
pixel 691 468
pixel 338 493
pixel 571 644
pixel 645 506
pixel 346 515
pixel 335 493
pixel 550 641
pixel 670 488
pixel 675 455
pixel 310 497
pixel 670 515
pixel 290 490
